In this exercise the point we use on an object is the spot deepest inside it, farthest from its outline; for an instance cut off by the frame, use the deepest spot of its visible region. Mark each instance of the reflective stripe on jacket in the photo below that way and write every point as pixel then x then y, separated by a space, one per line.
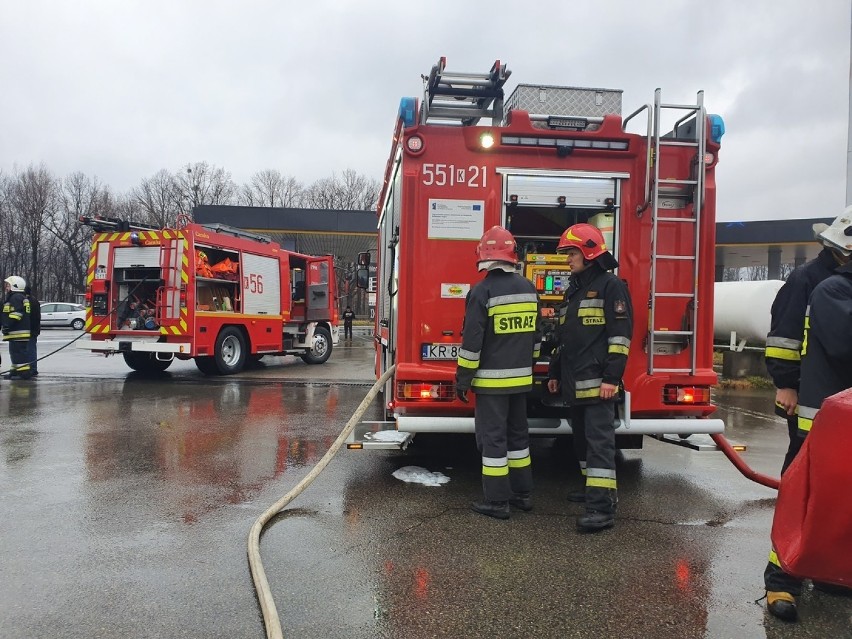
pixel 500 335
pixel 827 349
pixel 594 330
pixel 16 317
pixel 786 329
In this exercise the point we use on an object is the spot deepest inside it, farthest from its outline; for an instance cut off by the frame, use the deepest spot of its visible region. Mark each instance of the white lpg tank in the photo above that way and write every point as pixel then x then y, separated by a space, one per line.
pixel 744 307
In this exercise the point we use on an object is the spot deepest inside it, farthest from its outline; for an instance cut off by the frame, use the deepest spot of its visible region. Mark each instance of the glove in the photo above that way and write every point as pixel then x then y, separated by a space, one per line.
pixel 5 331
pixel 461 393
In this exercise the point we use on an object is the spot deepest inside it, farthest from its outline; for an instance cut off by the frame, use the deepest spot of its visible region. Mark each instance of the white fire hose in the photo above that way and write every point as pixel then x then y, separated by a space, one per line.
pixel 264 595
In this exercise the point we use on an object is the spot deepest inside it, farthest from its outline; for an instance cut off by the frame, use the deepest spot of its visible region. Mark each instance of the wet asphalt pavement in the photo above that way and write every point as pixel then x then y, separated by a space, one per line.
pixel 127 503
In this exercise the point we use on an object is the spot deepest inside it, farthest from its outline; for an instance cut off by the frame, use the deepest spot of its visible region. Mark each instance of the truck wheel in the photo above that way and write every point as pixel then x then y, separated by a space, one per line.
pixel 146 362
pixel 321 351
pixel 77 324
pixel 207 365
pixel 230 351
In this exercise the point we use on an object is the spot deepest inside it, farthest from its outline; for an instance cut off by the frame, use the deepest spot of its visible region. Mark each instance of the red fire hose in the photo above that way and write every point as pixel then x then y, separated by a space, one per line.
pixel 737 461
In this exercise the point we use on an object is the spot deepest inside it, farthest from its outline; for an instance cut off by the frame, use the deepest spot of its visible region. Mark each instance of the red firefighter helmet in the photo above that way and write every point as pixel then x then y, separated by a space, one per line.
pixel 498 245
pixel 585 237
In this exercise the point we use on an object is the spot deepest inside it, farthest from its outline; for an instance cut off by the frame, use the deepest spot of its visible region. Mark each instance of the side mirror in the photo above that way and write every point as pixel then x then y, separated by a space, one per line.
pixel 363 259
pixel 362 277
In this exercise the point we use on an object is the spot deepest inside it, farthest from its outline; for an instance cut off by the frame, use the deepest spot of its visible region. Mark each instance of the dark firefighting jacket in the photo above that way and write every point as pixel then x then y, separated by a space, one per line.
pixel 787 326
pixel 827 348
pixel 500 337
pixel 594 331
pixel 16 316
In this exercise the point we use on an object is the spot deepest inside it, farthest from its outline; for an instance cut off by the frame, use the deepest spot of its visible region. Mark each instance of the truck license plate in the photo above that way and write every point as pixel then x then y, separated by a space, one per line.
pixel 440 351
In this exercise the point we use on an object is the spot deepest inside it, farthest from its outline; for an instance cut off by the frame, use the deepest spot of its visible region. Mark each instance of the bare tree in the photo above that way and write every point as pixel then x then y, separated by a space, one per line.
pixel 78 196
pixel 786 269
pixel 756 272
pixel 9 248
pixel 350 191
pixel 731 274
pixel 201 183
pixel 270 188
pixel 33 197
pixel 158 197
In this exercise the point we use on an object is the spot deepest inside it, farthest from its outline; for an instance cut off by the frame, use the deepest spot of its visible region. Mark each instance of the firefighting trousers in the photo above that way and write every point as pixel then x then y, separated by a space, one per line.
pixel 776 580
pixel 503 440
pixel 18 352
pixel 796 441
pixel 32 354
pixel 594 447
pixel 774 577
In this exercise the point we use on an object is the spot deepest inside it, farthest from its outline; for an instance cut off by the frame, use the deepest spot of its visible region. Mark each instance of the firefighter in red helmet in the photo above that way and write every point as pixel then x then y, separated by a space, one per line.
pixel 595 324
pixel 500 342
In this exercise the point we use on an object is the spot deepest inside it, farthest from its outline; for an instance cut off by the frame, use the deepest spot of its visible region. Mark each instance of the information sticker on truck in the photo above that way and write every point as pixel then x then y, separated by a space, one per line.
pixel 440 351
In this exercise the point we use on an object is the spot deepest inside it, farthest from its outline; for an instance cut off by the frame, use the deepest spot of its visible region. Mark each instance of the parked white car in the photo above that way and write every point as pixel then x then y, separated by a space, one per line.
pixel 63 314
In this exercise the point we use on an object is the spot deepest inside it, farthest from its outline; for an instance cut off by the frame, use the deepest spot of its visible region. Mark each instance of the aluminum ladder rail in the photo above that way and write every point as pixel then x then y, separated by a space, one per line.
pixel 463 98
pixel 696 185
pixel 168 295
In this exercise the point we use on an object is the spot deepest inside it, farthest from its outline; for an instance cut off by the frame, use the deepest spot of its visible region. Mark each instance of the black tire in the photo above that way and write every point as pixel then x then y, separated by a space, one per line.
pixel 146 362
pixel 321 351
pixel 207 365
pixel 230 351
pixel 78 324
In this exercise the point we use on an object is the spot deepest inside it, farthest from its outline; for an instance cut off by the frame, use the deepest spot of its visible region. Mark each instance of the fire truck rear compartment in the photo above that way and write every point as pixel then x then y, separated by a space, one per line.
pixel 136 297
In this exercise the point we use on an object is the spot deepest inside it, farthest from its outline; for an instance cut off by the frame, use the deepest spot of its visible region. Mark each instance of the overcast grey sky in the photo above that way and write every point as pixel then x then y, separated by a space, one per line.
pixel 120 89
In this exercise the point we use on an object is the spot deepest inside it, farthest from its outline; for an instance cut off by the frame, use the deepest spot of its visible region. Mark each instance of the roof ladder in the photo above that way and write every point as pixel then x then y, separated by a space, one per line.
pixel 463 98
pixel 690 130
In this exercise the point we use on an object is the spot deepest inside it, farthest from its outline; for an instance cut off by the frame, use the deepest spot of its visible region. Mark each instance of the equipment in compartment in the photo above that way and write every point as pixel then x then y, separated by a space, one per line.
pixel 605 223
pixel 217 264
pixel 137 298
pixel 549 273
pixel 217 276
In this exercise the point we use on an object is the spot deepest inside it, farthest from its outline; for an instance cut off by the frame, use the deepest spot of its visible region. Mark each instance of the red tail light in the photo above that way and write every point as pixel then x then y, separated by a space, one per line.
pixel 425 391
pixel 692 395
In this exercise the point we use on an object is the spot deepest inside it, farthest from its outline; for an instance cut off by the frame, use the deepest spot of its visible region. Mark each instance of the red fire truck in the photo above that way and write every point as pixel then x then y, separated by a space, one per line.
pixel 545 158
pixel 220 295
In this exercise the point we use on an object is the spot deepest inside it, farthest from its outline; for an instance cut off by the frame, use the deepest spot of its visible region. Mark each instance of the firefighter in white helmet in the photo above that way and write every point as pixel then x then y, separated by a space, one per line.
pixel 500 343
pixel 15 324
pixel 594 331
pixel 806 371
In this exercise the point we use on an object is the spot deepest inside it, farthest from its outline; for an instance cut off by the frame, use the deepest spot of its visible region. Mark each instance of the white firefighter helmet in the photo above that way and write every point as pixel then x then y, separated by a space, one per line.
pixel 16 283
pixel 838 235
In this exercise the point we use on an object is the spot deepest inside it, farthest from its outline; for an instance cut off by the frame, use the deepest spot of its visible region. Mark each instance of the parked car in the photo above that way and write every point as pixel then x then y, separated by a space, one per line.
pixel 63 314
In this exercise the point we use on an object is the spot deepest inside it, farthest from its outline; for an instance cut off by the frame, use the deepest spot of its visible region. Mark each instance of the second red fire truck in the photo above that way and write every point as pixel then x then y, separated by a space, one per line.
pixel 464 160
pixel 219 295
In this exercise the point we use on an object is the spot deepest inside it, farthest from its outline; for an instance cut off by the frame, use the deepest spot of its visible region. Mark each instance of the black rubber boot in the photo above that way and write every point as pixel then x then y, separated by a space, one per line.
pixel 593 521
pixel 577 496
pixel 496 509
pixel 782 605
pixel 521 501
